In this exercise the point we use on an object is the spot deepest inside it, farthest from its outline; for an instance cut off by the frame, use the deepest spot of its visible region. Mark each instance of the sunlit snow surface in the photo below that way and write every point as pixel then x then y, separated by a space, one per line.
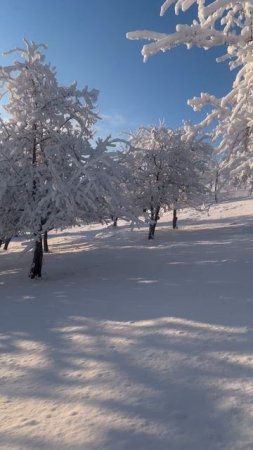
pixel 130 344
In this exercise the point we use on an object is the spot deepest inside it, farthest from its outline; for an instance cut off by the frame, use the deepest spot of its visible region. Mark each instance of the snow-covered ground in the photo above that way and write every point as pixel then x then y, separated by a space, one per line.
pixel 130 344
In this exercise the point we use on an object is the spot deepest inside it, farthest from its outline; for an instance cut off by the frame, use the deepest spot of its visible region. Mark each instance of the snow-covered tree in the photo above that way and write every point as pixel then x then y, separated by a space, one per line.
pixel 233 130
pixel 228 24
pixel 124 207
pixel 50 174
pixel 220 22
pixel 166 171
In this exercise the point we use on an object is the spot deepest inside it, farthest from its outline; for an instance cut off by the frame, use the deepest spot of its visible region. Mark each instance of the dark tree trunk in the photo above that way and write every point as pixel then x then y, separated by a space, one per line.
pixel 151 231
pixel 154 216
pixel 115 221
pixel 6 243
pixel 216 186
pixel 37 259
pixel 45 242
pixel 174 220
pixel 36 266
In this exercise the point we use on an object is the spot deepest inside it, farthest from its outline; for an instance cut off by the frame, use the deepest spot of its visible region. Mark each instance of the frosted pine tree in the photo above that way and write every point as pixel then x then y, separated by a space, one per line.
pixel 228 24
pixel 50 175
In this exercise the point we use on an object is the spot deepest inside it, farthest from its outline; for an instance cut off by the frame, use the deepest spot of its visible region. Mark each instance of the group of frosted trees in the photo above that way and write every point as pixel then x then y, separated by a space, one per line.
pixel 169 170
pixel 229 24
pixel 53 174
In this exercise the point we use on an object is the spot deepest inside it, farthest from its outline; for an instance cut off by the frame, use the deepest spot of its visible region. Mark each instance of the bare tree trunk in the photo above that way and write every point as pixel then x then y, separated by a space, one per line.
pixel 115 221
pixel 151 231
pixel 37 259
pixel 45 242
pixel 36 266
pixel 154 216
pixel 216 186
pixel 174 220
pixel 6 242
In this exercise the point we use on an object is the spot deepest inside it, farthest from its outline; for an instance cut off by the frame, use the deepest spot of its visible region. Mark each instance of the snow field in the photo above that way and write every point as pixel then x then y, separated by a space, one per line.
pixel 127 344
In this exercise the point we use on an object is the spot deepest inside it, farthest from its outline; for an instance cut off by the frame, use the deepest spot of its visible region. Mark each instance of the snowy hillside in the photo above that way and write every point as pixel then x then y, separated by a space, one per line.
pixel 130 344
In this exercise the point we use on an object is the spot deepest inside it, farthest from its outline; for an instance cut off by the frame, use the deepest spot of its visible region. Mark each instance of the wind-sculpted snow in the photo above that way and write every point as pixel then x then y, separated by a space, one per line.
pixel 125 344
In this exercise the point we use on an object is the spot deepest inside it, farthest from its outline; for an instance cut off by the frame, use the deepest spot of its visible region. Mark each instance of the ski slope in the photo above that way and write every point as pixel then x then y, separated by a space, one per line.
pixel 130 344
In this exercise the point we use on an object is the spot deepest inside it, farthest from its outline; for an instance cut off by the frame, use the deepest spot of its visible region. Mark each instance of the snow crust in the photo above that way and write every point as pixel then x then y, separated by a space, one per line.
pixel 131 344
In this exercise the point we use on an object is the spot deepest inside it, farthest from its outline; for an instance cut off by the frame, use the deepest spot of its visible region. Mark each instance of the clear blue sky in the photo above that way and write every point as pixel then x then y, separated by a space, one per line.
pixel 86 42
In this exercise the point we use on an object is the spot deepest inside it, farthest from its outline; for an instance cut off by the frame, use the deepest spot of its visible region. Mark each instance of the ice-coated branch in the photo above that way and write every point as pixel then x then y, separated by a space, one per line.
pixel 219 23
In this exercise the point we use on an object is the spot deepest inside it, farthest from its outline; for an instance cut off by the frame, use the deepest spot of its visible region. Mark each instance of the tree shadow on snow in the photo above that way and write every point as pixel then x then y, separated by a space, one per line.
pixel 132 345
